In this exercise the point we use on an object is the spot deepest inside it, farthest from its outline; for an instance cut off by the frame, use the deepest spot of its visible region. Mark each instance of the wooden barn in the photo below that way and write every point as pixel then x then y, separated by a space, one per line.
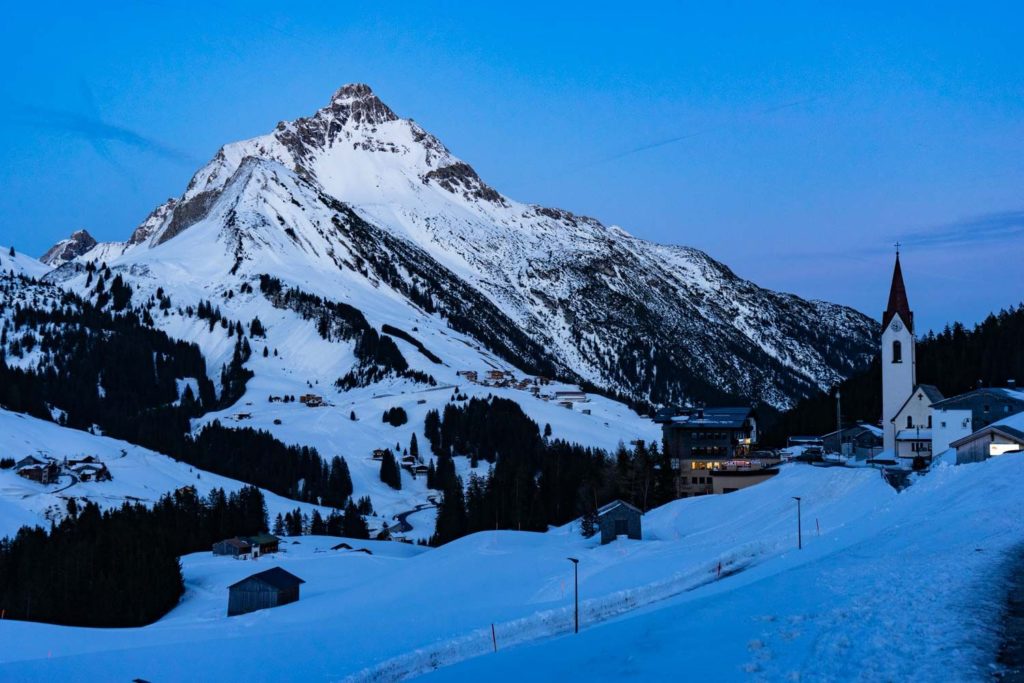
pixel 264 543
pixel 233 547
pixel 270 588
pixel 619 518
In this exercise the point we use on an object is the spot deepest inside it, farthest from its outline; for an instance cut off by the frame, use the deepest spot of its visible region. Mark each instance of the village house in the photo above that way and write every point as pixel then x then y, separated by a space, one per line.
pixel 232 547
pixel 699 440
pixel 989 442
pixel 44 473
pixel 913 423
pixel 861 441
pixel 575 396
pixel 959 416
pixel 311 400
pixel 270 588
pixel 263 543
pixel 619 518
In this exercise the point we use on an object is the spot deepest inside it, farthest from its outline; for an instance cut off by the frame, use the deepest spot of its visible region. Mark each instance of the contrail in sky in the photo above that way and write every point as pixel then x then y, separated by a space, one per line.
pixel 687 136
pixel 97 132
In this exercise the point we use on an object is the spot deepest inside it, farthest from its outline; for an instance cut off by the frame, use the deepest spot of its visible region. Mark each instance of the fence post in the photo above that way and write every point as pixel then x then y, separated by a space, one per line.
pixel 494 638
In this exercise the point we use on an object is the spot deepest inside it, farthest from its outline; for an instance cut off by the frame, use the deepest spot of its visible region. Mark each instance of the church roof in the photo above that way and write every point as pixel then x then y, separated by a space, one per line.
pixel 930 391
pixel 898 299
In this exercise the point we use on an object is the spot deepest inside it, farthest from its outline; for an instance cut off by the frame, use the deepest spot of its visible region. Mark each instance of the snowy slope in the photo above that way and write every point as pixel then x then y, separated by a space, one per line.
pixel 221 258
pixel 648 321
pixel 888 587
pixel 138 474
pixel 21 264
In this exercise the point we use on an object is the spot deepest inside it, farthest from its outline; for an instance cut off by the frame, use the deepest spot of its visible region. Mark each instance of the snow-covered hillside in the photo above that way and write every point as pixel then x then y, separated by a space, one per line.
pixel 888 587
pixel 355 199
pixel 137 475
pixel 21 264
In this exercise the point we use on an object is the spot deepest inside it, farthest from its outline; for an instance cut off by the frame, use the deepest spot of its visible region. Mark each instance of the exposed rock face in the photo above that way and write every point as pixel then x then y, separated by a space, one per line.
pixel 69 249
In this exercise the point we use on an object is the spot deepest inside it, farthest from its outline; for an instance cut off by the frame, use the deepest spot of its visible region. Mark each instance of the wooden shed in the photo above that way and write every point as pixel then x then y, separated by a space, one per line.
pixel 619 518
pixel 264 543
pixel 233 547
pixel 270 588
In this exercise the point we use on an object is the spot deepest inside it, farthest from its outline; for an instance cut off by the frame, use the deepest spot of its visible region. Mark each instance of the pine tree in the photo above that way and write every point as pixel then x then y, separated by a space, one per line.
pixel 279 525
pixel 390 472
pixel 353 524
pixel 317 527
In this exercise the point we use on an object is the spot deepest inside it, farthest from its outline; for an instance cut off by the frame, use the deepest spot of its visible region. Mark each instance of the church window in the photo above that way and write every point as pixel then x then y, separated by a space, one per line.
pixel 910 422
pixel 897 352
pixel 929 422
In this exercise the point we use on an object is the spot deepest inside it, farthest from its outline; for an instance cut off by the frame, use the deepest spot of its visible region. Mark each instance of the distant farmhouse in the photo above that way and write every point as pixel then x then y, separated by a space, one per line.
pixel 232 547
pixel 270 588
pixel 259 544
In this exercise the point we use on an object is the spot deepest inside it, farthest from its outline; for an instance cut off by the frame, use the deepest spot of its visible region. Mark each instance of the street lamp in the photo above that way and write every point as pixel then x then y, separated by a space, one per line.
pixel 799 530
pixel 576 587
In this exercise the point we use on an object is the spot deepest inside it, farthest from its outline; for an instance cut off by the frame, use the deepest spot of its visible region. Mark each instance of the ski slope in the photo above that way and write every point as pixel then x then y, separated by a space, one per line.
pixel 888 587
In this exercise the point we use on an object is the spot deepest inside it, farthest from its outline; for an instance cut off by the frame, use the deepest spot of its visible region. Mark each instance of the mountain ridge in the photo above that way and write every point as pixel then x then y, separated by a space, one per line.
pixel 651 322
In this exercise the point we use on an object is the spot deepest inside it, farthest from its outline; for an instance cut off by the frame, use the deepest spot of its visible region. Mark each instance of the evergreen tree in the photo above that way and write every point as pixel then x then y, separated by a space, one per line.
pixel 317 526
pixel 390 472
pixel 353 524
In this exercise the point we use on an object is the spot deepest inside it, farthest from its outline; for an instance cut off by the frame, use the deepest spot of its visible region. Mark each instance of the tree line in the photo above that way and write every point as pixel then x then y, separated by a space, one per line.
pixel 531 481
pixel 118 567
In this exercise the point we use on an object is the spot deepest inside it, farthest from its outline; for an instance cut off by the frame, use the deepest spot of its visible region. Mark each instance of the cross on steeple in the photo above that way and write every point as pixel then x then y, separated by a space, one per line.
pixel 898 245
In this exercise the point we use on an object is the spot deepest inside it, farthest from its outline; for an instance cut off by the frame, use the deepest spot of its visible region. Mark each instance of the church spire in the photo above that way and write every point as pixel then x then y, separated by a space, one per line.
pixel 898 303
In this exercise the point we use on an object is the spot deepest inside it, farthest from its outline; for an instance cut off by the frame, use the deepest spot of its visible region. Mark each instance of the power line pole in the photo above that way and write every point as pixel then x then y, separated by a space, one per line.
pixel 799 528
pixel 576 587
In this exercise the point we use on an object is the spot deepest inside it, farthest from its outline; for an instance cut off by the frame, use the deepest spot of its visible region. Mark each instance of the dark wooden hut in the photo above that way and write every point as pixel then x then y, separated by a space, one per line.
pixel 619 518
pixel 270 588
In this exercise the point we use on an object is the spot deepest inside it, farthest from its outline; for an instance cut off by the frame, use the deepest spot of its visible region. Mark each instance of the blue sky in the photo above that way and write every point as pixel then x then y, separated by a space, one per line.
pixel 794 142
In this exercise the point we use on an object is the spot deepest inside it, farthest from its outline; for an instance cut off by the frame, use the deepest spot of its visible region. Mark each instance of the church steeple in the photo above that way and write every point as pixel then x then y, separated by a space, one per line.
pixel 898 303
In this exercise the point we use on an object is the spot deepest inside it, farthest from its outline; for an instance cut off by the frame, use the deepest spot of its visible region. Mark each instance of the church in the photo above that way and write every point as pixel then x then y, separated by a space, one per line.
pixel 906 405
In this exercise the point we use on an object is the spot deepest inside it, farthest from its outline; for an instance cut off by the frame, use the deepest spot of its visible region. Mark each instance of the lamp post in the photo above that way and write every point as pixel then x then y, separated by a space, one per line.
pixel 576 588
pixel 799 529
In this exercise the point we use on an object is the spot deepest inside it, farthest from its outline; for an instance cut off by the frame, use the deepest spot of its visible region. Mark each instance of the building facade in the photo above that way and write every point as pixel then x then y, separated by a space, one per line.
pixel 913 423
pixel 700 440
pixel 989 442
pixel 959 416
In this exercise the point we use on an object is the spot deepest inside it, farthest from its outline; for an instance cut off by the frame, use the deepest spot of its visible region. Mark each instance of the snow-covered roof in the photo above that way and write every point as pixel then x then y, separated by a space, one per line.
pixel 714 417
pixel 913 434
pixel 968 399
pixel 604 509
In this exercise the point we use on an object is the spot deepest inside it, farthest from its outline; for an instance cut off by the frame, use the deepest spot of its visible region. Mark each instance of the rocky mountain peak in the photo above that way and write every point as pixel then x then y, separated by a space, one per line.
pixel 69 249
pixel 356 102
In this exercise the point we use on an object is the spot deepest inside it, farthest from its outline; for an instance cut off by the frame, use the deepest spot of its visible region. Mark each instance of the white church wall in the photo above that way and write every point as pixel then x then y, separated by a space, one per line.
pixel 948 426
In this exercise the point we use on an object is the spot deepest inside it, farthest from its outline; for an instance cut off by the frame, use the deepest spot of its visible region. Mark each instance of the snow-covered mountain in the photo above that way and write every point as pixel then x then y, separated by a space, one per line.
pixel 69 249
pixel 357 205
